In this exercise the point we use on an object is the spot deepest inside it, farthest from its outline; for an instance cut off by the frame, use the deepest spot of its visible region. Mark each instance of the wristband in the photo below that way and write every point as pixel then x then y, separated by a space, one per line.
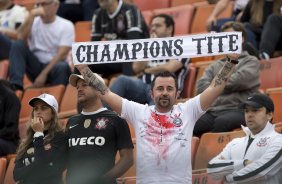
pixel 38 134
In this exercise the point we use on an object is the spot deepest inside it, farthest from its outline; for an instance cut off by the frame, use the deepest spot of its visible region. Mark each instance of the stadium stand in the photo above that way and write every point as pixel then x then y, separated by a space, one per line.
pixel 211 144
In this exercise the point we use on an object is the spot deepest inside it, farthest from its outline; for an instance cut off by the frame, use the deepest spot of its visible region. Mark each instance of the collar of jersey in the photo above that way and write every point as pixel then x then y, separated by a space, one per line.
pixel 94 112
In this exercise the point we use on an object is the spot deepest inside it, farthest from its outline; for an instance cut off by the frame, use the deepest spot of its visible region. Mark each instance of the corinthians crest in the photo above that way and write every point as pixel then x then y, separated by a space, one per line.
pixel 101 123
pixel 87 123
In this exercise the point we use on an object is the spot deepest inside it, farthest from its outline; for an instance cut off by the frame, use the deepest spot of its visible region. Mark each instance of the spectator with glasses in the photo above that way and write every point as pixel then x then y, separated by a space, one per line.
pixel 45 41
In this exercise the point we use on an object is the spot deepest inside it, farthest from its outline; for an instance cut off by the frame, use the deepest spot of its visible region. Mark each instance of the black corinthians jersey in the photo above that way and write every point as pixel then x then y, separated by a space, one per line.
pixel 94 140
pixel 126 22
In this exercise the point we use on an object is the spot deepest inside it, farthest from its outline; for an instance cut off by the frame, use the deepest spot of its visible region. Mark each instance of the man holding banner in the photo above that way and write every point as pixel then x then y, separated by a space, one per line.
pixel 163 131
pixel 138 89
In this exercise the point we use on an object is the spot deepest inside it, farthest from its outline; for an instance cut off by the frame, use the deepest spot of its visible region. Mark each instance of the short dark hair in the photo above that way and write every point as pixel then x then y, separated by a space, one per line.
pixel 168 20
pixel 165 74
pixel 236 26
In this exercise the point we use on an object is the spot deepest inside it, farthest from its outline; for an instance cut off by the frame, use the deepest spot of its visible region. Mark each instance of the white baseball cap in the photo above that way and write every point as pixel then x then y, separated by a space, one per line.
pixel 75 77
pixel 49 99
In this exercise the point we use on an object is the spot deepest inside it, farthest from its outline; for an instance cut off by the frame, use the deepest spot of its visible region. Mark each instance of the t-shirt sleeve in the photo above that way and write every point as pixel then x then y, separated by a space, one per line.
pixel 131 111
pixel 67 36
pixel 193 107
pixel 123 135
pixel 134 20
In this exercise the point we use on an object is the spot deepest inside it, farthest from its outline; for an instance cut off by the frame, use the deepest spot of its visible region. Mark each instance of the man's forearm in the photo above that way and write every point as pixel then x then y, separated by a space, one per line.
pixel 94 81
pixel 25 29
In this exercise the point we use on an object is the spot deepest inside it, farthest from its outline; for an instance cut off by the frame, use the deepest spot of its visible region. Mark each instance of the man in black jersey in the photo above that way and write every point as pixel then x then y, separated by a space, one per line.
pixel 94 137
pixel 116 20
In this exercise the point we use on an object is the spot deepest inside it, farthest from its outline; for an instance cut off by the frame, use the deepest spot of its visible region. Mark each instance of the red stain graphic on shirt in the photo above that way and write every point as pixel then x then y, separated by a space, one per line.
pixel 159 132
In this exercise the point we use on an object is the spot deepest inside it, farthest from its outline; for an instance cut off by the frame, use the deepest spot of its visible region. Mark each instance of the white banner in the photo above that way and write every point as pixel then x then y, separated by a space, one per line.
pixel 157 48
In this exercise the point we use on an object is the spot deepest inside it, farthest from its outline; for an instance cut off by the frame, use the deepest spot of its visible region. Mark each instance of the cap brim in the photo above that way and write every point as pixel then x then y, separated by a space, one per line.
pixel 74 78
pixel 33 100
pixel 251 104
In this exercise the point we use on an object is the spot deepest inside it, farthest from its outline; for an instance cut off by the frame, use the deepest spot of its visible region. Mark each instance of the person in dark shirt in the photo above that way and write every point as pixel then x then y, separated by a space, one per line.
pixel 94 138
pixel 9 115
pixel 116 20
pixel 40 156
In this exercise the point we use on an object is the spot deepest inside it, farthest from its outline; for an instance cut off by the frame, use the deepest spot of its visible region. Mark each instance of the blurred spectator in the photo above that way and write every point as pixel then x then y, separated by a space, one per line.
pixel 271 37
pixel 40 156
pixel 214 24
pixel 138 89
pixel 9 117
pixel 223 115
pixel 255 15
pixel 45 43
pixel 77 10
pixel 237 26
pixel 11 17
pixel 116 20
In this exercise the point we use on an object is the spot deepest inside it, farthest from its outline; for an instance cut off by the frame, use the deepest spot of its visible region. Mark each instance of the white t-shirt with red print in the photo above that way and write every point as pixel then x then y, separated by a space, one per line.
pixel 163 140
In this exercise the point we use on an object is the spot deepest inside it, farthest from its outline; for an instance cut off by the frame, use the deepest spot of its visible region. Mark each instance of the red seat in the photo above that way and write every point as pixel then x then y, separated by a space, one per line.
pixel 189 82
pixel 83 31
pixel 148 15
pixel 57 91
pixel 270 73
pixel 276 95
pixel 211 144
pixel 68 105
pixel 182 16
pixel 149 5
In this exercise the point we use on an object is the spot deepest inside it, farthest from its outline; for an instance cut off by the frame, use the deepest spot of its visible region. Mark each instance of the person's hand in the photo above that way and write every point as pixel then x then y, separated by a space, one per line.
pixel 153 35
pixel 37 124
pixel 247 162
pixel 211 21
pixel 38 11
pixel 40 80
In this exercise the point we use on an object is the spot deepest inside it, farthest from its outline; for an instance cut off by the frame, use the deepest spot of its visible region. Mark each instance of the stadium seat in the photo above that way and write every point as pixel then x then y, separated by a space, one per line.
pixel 179 14
pixel 149 5
pixel 189 82
pixel 278 127
pixel 276 95
pixel 83 31
pixel 203 12
pixel 4 67
pixel 184 2
pixel 270 73
pixel 194 147
pixel 23 126
pixel 57 91
pixel 148 15
pixel 3 166
pixel 9 173
pixel 68 105
pixel 212 144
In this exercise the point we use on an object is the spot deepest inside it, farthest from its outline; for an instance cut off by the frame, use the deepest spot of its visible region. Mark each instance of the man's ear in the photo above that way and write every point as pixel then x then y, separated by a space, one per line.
pixel 151 94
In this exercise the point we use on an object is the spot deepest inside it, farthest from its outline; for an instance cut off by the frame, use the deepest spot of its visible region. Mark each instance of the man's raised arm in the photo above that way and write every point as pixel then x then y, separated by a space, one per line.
pixel 95 81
